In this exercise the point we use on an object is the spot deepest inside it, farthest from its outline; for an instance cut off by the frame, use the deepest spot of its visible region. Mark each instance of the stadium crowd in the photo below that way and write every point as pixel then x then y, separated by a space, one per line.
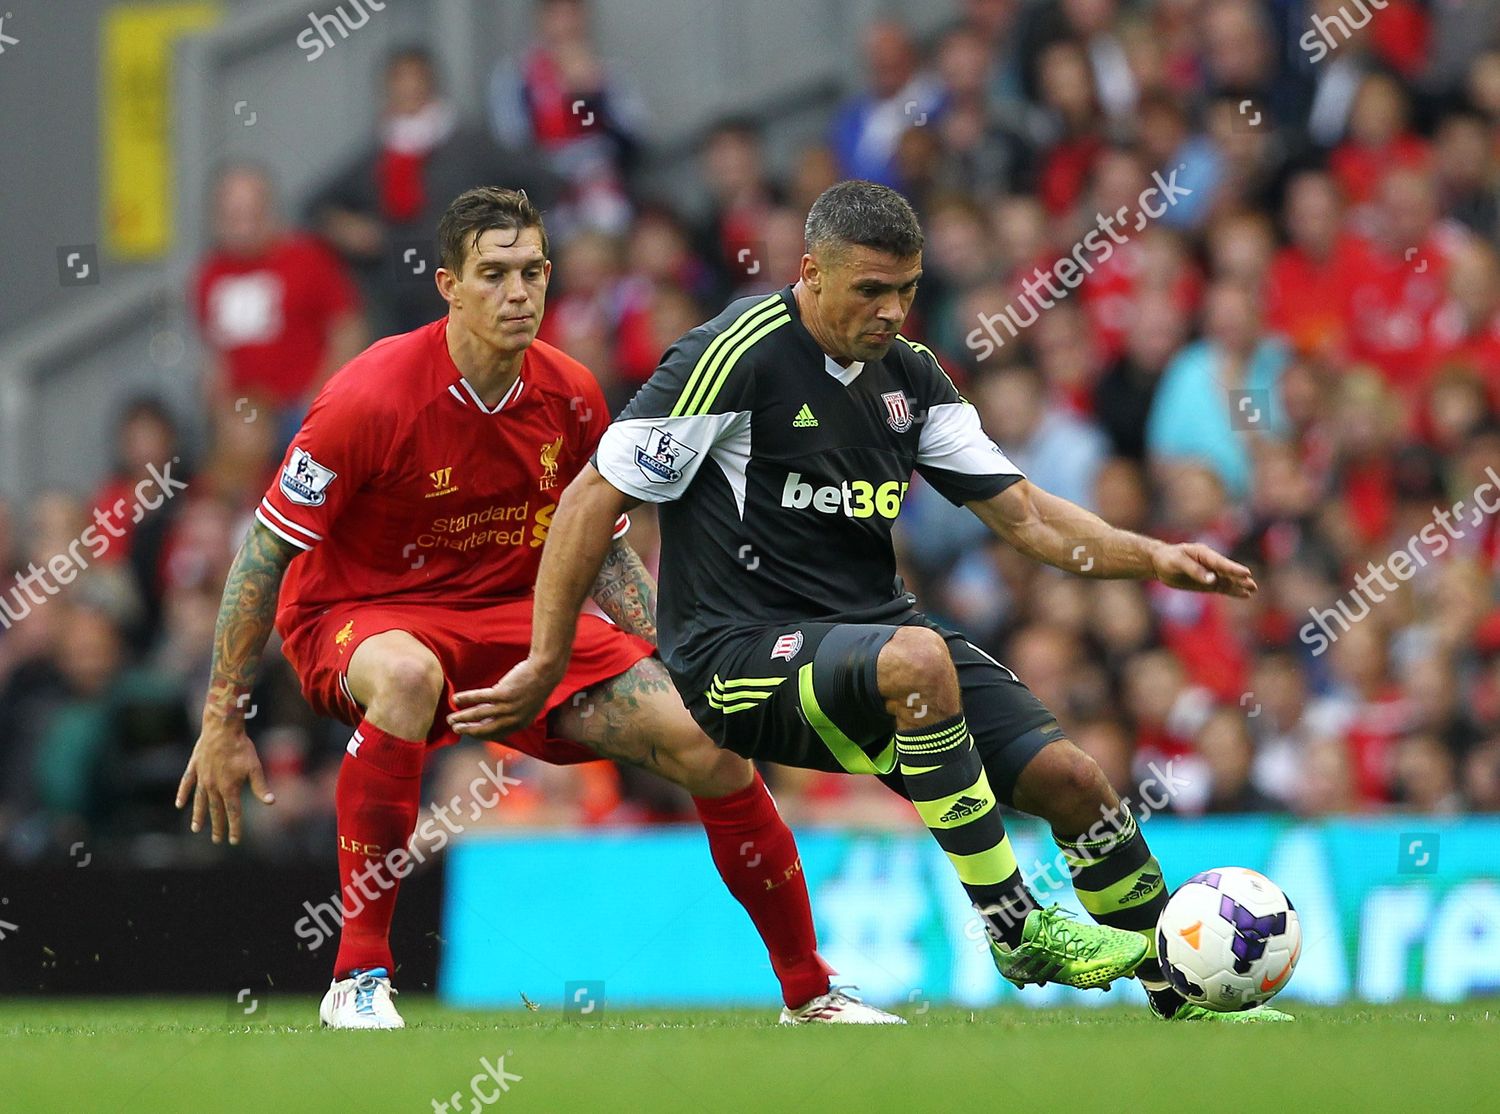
pixel 1218 270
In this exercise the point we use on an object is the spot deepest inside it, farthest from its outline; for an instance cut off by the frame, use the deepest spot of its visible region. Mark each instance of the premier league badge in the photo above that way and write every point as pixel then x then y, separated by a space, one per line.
pixel 662 458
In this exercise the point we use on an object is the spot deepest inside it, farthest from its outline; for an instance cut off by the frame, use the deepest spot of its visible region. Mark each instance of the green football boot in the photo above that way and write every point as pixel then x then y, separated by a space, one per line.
pixel 1056 948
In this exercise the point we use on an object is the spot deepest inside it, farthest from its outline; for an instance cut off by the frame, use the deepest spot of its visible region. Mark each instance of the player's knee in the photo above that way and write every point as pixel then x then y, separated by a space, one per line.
pixel 916 663
pixel 717 774
pixel 690 759
pixel 1074 789
pixel 413 678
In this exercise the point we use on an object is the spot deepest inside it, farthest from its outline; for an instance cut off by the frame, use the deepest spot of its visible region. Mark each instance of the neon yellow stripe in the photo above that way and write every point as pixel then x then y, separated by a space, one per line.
pixel 740 682
pixel 925 351
pixel 702 370
pixel 915 347
pixel 737 694
pixel 733 358
pixel 905 769
pixel 986 868
pixel 848 753
pixel 731 708
pixel 940 740
pixel 711 353
pixel 932 811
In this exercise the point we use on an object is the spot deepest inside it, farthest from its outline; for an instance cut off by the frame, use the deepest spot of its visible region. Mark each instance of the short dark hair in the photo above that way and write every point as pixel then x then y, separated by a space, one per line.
pixel 482 209
pixel 865 214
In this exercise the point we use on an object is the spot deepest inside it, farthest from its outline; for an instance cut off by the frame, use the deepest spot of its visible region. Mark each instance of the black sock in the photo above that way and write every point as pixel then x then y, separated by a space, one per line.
pixel 945 779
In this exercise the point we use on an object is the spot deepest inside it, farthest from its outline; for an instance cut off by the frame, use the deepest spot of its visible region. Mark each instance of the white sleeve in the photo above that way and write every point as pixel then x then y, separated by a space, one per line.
pixel 656 459
pixel 958 458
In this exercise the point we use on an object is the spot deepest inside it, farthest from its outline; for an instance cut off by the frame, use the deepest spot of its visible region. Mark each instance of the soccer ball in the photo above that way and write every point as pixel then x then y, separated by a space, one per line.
pixel 1228 939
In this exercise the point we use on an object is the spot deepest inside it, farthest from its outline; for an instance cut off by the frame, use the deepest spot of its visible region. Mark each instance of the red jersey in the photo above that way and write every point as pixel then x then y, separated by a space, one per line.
pixel 1392 301
pixel 1307 299
pixel 270 315
pixel 404 488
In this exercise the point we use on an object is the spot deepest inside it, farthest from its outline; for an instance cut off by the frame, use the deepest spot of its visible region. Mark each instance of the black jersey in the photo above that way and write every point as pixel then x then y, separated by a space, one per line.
pixel 781 474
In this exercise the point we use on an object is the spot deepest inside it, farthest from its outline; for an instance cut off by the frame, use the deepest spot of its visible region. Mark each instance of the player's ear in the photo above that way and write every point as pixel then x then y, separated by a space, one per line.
pixel 447 284
pixel 812 274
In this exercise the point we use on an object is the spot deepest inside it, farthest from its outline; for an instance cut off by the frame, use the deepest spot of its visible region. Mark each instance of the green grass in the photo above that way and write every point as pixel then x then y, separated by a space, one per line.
pixel 167 1055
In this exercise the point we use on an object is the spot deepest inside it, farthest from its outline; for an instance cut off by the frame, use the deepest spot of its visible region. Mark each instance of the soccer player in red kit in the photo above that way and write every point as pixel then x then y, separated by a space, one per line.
pixel 403 534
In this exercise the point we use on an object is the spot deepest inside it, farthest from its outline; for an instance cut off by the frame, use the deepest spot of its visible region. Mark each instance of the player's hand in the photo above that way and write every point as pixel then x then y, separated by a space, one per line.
pixel 223 760
pixel 1197 568
pixel 511 705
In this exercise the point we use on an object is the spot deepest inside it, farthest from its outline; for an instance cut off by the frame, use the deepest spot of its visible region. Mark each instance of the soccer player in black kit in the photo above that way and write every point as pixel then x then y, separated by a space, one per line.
pixel 779 439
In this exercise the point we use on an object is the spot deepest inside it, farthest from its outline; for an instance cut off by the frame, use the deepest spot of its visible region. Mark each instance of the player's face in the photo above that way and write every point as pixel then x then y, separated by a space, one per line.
pixel 501 294
pixel 863 297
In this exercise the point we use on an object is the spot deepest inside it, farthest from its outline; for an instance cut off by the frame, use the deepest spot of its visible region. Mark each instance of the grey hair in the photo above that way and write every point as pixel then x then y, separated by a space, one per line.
pixel 863 213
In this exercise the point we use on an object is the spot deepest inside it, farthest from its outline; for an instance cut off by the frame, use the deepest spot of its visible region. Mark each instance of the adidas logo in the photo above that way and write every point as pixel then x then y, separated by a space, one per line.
pixel 964 806
pixel 1144 885
pixel 805 419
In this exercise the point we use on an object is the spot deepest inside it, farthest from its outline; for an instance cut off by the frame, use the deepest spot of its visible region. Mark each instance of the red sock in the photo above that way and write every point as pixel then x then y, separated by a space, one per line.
pixel 378 795
pixel 757 858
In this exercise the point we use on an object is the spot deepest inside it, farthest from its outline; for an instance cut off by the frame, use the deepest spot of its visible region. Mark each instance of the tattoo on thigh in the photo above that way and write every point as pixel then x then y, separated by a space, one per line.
pixel 613 720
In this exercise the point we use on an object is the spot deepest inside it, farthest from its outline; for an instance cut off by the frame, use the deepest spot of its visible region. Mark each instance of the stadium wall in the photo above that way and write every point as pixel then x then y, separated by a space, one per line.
pixel 1391 909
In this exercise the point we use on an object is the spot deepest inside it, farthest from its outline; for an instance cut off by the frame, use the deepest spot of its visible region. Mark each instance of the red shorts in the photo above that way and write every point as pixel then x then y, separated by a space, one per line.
pixel 476 647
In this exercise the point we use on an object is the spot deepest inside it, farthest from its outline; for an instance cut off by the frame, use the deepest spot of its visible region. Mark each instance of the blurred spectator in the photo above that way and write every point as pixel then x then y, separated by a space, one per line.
pixel 146 439
pixel 278 311
pixel 561 98
pixel 1308 285
pixel 741 194
pixel 1465 330
pixel 782 249
pixel 1400 286
pixel 1424 776
pixel 1380 138
pixel 986 146
pixel 1074 135
pixel 898 96
pixel 1221 391
pixel 996 22
pixel 1056 450
pixel 1170 146
pixel 1334 65
pixel 1122 400
pixel 956 260
pixel 1468 177
pixel 1228 753
pixel 381 211
pixel 1366 711
pixel 1239 63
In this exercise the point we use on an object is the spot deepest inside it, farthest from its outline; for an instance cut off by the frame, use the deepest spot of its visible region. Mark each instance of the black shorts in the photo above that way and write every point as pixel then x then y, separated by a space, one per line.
pixel 806 695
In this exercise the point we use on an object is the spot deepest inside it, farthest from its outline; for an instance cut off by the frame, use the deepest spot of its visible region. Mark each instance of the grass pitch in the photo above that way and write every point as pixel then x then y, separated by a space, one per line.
pixel 168 1055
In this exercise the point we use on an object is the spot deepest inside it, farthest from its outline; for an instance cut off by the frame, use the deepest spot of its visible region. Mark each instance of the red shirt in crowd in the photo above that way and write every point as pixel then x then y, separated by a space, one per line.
pixel 270 316
pixel 1392 303
pixel 1307 300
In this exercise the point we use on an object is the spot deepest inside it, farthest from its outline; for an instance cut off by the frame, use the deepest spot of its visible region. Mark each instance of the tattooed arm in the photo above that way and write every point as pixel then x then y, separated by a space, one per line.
pixel 224 757
pixel 626 592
